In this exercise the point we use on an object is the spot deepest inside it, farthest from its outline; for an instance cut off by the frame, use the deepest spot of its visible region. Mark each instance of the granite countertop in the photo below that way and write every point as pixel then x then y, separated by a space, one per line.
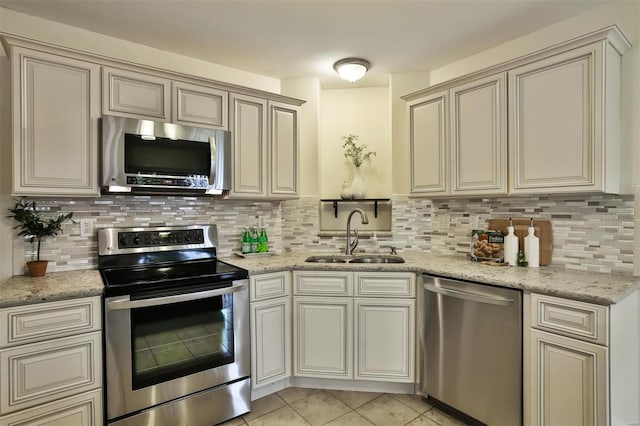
pixel 603 289
pixel 22 289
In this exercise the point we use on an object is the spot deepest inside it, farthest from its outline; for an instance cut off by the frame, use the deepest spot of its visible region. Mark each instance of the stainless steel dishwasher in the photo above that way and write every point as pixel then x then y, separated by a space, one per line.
pixel 472 349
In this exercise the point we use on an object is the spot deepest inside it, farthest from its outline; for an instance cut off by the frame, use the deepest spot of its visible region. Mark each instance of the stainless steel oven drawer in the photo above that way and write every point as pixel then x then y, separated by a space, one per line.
pixel 205 408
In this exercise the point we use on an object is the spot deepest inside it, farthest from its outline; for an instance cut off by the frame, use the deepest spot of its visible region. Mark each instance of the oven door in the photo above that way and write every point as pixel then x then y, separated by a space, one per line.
pixel 162 348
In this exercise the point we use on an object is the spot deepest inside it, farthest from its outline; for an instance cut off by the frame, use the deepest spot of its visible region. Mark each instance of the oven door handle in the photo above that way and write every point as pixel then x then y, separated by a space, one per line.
pixel 124 302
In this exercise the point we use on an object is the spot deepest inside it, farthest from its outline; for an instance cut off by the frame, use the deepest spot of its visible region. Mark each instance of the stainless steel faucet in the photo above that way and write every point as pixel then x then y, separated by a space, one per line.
pixel 351 246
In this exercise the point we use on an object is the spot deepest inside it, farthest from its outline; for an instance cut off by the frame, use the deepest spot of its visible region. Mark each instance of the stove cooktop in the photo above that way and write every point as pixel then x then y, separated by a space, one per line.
pixel 134 260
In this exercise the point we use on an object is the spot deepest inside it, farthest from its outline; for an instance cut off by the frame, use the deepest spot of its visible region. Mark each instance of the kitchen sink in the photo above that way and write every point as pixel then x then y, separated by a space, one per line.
pixel 377 259
pixel 326 259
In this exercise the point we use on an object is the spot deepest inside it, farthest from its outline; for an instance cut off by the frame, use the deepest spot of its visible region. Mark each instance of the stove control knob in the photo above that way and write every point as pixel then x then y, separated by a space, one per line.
pixel 136 240
pixel 122 240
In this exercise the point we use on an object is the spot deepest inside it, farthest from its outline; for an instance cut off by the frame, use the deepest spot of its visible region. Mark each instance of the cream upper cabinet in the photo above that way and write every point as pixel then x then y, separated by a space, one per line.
pixel 458 139
pixel 248 124
pixel 284 150
pixel 136 95
pixel 429 144
pixel 479 137
pixel 546 122
pixel 265 148
pixel 200 106
pixel 56 107
pixel 564 114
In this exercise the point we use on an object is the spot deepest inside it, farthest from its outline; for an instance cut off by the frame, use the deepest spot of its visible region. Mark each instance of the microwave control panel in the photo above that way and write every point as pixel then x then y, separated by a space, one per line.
pixel 196 181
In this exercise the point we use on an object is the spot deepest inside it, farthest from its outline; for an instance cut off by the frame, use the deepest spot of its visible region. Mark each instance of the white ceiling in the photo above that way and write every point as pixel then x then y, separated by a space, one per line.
pixel 303 38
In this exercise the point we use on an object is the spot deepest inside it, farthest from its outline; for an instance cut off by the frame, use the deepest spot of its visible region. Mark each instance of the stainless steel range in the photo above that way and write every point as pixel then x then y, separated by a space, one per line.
pixel 176 328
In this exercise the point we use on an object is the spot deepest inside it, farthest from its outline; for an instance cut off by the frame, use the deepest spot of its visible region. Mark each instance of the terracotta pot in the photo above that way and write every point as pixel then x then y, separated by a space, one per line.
pixel 37 268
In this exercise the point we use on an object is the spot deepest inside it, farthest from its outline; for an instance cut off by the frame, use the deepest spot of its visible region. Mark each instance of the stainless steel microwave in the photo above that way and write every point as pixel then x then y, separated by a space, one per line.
pixel 148 157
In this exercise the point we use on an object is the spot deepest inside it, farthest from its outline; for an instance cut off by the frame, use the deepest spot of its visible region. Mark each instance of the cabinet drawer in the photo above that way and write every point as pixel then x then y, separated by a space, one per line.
pixel 45 321
pixel 42 372
pixel 79 410
pixel 374 284
pixel 581 320
pixel 323 283
pixel 269 286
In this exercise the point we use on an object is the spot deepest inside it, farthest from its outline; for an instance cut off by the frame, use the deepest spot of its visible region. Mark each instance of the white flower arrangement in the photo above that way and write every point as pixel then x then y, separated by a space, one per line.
pixel 355 153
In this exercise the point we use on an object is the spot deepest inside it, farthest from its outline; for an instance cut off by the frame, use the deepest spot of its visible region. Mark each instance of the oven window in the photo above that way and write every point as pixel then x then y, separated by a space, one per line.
pixel 175 340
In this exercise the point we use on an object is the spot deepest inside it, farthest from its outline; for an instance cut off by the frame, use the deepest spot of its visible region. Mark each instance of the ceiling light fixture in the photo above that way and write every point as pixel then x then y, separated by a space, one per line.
pixel 351 69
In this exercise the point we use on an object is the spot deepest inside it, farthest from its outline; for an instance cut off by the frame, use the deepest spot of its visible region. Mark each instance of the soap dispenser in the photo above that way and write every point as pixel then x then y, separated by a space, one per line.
pixel 532 248
pixel 511 246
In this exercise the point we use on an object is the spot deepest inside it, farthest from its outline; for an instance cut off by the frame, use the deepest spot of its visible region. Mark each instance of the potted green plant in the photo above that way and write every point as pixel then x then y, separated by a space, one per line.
pixel 36 227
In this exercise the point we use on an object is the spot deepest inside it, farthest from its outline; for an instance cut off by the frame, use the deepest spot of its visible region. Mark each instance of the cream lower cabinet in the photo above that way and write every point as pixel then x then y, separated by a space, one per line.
pixel 323 336
pixel 266 148
pixel 384 336
pixel 367 337
pixel 570 377
pixel 56 107
pixel 270 304
pixel 51 363
pixel 582 362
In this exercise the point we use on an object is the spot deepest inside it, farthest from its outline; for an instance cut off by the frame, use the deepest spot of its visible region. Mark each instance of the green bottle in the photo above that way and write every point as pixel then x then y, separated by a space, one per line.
pixel 254 240
pixel 263 245
pixel 246 241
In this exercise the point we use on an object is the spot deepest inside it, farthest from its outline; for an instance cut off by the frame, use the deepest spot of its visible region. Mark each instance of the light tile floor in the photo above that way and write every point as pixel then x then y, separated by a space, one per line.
pixel 299 406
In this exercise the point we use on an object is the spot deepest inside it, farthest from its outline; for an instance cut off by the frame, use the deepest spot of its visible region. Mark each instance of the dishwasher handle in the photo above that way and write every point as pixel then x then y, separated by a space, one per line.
pixel 475 297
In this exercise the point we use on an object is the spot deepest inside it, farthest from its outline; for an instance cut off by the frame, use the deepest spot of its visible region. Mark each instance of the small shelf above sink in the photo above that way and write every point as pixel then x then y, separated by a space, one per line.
pixel 336 201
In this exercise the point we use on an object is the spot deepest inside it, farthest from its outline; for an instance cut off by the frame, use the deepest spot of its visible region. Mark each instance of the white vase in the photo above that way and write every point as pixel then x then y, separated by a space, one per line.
pixel 357 184
pixel 346 191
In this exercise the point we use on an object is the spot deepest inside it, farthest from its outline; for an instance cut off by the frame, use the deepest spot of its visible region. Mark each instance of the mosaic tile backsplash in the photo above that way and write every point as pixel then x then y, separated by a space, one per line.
pixel 70 251
pixel 590 232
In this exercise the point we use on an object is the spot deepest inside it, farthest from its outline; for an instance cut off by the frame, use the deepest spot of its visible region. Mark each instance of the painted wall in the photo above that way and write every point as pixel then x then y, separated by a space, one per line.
pixel 6 234
pixel 19 24
pixel 364 112
pixel 622 13
pixel 308 89
pixel 402 84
